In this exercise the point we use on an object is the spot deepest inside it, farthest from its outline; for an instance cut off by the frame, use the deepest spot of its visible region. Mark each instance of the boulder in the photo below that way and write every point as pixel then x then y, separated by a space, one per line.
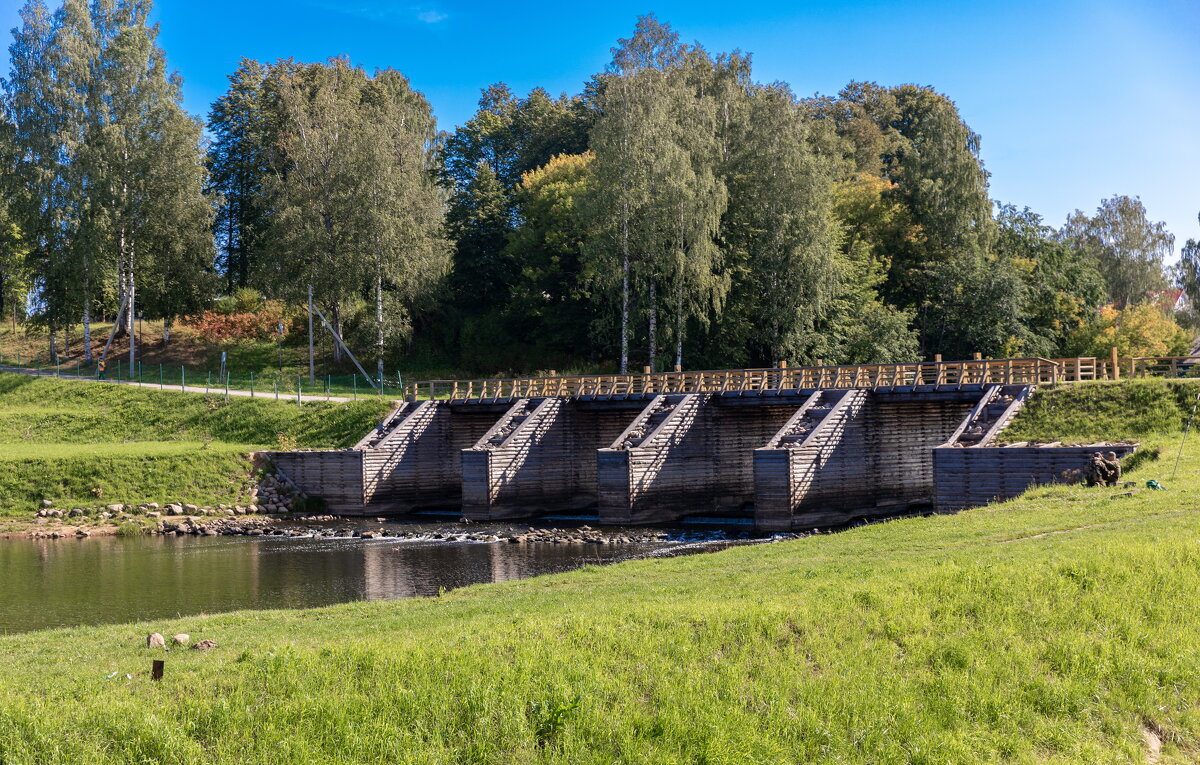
pixel 174 509
pixel 153 515
pixel 75 513
pixel 190 509
pixel 181 639
pixel 204 645
pixel 115 508
pixel 47 503
pixel 82 533
pixel 155 640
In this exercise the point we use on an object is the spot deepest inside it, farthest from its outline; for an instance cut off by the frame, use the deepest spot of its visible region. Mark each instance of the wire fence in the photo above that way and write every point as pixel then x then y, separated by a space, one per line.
pixel 282 385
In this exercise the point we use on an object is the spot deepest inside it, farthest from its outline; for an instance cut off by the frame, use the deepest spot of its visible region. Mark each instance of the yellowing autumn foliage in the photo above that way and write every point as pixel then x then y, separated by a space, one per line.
pixel 1143 330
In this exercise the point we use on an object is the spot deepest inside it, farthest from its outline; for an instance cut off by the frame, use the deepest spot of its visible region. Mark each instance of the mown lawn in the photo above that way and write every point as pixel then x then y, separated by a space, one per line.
pixel 1059 627
pixel 83 444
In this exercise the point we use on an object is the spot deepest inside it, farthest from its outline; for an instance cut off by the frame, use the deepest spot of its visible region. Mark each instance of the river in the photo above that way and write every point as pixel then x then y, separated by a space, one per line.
pixel 68 582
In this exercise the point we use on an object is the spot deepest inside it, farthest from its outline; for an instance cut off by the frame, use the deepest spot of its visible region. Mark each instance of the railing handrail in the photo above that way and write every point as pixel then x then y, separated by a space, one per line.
pixel 1023 370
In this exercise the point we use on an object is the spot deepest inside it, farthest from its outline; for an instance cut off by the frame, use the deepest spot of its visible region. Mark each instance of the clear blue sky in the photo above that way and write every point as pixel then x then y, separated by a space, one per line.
pixel 1076 100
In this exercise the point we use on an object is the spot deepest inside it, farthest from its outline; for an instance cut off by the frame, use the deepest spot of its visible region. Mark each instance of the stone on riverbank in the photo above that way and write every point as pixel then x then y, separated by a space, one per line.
pixel 181 639
pixel 204 645
pixel 155 640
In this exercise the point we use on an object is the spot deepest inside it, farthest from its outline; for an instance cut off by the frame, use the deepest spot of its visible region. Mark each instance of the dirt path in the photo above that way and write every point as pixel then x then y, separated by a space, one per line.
pixel 177 388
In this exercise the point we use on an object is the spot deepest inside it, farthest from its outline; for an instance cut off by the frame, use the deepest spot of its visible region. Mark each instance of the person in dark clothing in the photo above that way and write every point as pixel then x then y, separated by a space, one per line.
pixel 1112 467
pixel 1097 472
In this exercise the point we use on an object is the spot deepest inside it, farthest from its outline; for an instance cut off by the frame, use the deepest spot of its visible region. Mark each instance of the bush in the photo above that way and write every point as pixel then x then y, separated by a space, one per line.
pixel 1143 330
pixel 219 326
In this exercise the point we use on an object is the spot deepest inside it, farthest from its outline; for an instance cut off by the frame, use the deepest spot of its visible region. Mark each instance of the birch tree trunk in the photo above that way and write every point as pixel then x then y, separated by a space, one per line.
pixel 653 340
pixel 625 293
pixel 378 323
pixel 87 329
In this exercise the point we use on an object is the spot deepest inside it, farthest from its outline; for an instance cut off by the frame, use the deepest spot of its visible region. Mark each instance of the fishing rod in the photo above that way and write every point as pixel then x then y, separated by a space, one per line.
pixel 1186 428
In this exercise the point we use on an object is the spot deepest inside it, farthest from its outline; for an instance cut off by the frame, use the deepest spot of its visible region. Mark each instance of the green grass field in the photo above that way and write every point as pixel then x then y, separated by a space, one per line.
pixel 82 444
pixel 1058 627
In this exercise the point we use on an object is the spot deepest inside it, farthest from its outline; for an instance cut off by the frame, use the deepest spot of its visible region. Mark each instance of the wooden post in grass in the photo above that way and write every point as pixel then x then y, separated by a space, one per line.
pixel 1115 368
pixel 156 670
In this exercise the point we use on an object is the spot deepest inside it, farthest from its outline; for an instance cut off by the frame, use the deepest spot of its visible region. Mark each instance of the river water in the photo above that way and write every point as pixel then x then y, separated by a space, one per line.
pixel 67 582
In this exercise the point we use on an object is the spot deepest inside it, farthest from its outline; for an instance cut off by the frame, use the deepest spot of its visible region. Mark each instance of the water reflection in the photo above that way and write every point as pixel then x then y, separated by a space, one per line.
pixel 52 583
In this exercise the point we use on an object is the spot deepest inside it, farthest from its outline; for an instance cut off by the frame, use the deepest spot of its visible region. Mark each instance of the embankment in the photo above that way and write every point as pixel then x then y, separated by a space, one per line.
pixel 84 444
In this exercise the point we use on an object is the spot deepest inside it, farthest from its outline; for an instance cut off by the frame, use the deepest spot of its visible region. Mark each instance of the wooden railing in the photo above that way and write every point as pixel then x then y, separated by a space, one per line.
pixel 1032 371
pixel 758 381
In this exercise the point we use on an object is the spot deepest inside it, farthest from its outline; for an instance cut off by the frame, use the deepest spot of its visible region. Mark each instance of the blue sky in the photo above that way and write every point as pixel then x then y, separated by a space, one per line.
pixel 1075 100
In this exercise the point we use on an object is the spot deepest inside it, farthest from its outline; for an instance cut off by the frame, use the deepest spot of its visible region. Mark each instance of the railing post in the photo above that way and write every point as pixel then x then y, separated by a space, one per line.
pixel 1115 369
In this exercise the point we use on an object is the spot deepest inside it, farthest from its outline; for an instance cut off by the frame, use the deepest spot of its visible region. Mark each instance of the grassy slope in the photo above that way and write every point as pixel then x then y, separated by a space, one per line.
pixel 59 440
pixel 1053 628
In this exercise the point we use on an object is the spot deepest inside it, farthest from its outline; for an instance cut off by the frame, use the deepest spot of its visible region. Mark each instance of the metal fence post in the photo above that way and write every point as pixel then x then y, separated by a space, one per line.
pixel 183 379
pixel 251 385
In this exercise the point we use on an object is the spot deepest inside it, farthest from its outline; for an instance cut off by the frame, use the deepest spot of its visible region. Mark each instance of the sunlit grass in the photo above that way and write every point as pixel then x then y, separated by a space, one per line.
pixel 82 444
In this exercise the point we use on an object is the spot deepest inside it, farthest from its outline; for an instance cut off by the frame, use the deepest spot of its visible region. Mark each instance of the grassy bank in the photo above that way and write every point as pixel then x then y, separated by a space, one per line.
pixel 83 443
pixel 1059 627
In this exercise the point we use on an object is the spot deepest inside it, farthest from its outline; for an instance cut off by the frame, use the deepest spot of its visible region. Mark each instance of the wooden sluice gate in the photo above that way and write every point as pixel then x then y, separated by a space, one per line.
pixel 866 442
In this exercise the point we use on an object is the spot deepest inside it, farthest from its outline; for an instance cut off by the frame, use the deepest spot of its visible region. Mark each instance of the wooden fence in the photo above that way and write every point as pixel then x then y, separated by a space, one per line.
pixel 1029 371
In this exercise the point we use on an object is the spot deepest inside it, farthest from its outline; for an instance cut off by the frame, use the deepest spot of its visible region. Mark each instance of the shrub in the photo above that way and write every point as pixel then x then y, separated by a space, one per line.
pixel 217 326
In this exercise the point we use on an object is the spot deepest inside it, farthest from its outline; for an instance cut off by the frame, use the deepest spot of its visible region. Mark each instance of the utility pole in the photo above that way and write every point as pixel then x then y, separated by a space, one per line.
pixel 311 368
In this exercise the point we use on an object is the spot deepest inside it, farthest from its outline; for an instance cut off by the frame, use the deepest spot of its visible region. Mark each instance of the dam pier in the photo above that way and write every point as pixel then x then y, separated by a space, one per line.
pixel 790 448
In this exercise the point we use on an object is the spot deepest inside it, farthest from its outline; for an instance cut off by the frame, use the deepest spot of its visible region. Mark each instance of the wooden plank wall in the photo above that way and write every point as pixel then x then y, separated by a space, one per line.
pixel 334 476
pixel 419 464
pixel 871 456
pixel 823 481
pixel 974 476
pixel 902 437
pixel 548 463
pixel 699 460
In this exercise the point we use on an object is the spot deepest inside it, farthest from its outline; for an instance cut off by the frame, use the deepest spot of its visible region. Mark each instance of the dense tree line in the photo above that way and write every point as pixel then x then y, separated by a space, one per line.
pixel 674 212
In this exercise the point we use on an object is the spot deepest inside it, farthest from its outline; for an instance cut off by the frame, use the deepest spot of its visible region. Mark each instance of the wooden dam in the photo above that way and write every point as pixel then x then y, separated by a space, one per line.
pixel 790 448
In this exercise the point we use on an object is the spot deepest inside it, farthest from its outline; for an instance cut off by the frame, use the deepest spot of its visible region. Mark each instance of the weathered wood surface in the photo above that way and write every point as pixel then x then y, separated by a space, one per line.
pixel 335 476
pixel 764 382
pixel 697 460
pixel 547 462
pixel 869 456
pixel 974 476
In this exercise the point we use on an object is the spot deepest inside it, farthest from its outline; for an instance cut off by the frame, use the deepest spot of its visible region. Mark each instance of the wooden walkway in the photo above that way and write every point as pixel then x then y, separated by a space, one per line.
pixel 935 375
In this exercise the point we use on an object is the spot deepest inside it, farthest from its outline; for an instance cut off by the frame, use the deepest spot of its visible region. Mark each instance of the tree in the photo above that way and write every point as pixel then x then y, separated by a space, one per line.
pixel 914 138
pixel 657 200
pixel 1062 290
pixel 47 124
pixel 482 166
pixel 354 208
pixel 1139 330
pixel 14 272
pixel 780 231
pixel 238 162
pixel 1189 271
pixel 1127 248
pixel 550 301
